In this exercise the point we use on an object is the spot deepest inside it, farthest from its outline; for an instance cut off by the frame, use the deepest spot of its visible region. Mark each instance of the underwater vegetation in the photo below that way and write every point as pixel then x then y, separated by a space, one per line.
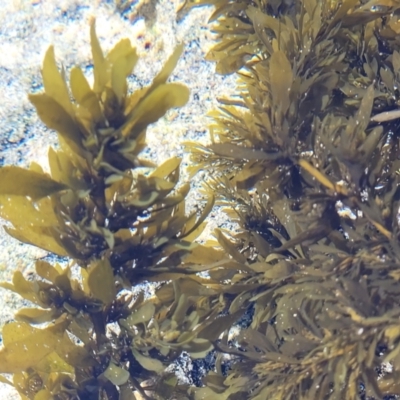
pixel 122 221
pixel 305 159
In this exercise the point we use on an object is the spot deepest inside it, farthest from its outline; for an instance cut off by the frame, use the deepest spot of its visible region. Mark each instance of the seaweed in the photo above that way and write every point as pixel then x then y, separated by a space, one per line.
pixel 304 160
pixel 120 221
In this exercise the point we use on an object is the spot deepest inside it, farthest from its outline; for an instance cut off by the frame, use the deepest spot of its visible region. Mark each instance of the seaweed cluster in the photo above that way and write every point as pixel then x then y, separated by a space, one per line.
pixel 305 159
pixel 121 221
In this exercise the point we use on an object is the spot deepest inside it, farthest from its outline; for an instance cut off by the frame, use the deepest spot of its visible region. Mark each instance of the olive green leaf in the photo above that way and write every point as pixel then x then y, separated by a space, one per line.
pixel 25 346
pixel 100 281
pixel 117 375
pixel 151 364
pixel 21 182
pixel 57 118
pixel 54 82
